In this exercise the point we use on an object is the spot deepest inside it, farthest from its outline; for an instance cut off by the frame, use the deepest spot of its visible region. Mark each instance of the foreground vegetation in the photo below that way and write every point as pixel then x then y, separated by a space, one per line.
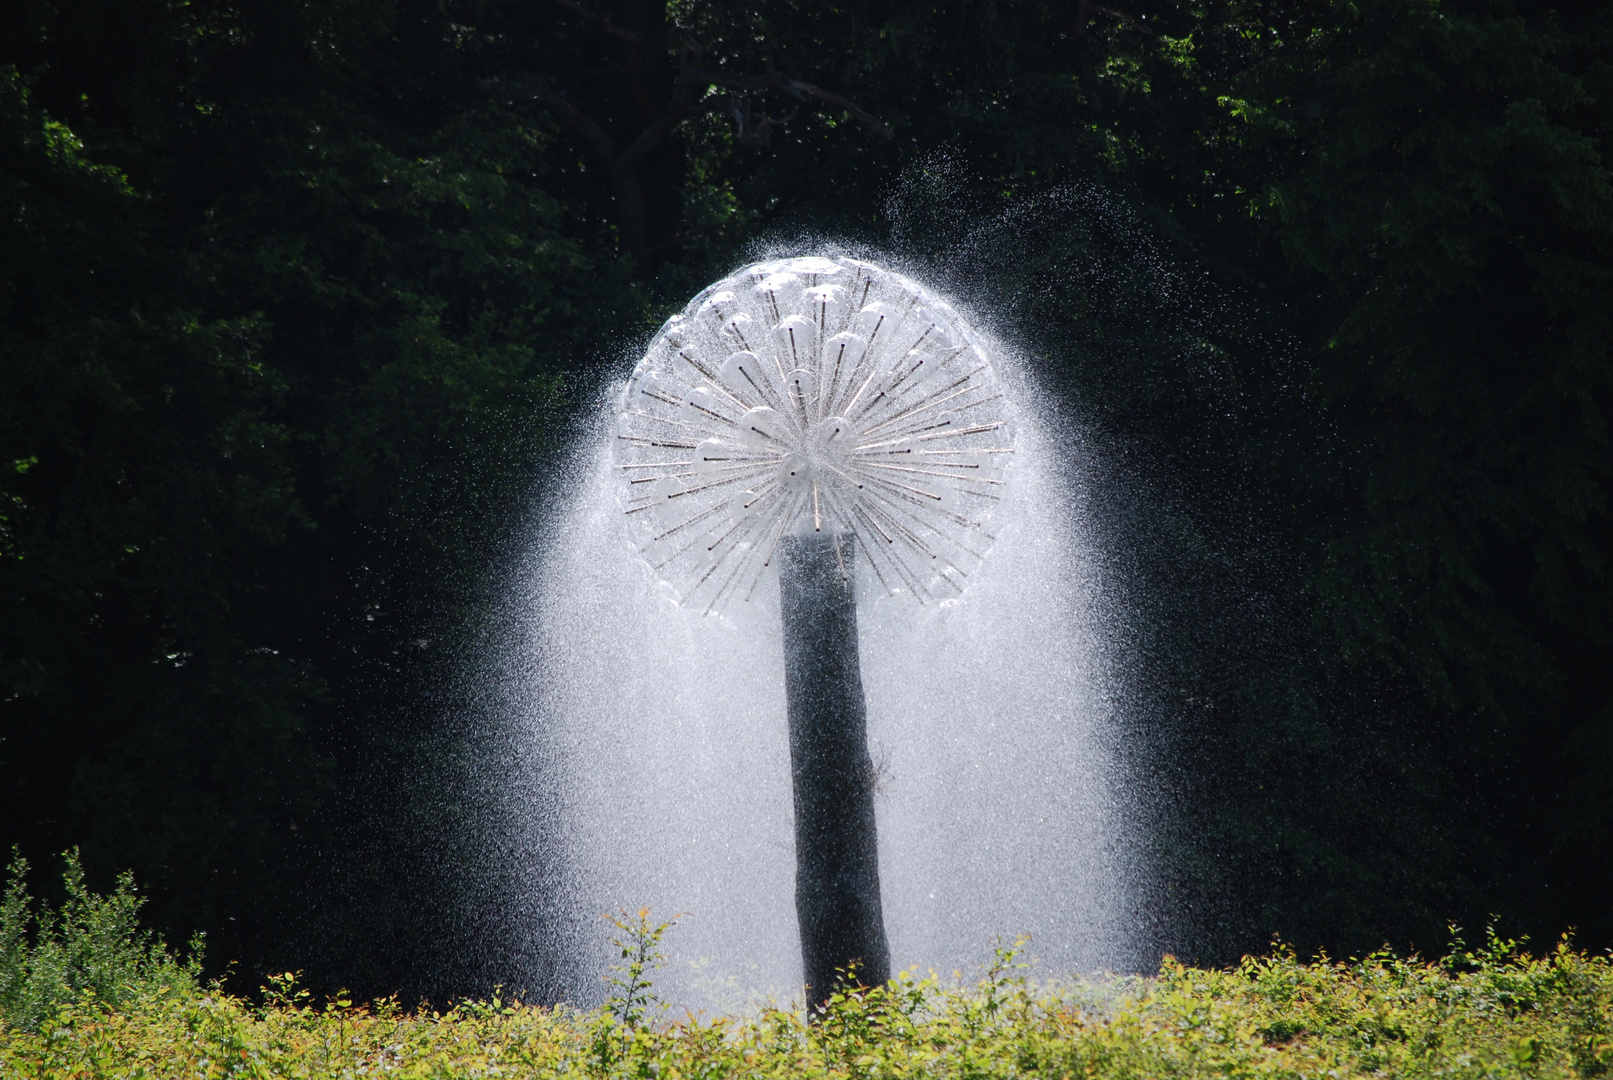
pixel 1493 1012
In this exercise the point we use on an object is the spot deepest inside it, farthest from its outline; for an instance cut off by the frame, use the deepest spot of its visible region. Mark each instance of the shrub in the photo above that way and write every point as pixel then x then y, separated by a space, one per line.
pixel 93 948
pixel 119 1005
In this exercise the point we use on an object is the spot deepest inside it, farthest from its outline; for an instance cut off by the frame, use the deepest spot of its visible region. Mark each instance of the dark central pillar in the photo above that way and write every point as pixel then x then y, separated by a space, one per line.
pixel 836 849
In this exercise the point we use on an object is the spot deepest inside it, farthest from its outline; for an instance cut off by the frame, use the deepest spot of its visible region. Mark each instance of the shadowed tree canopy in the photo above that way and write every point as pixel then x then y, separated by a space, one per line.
pixel 297 299
pixel 641 94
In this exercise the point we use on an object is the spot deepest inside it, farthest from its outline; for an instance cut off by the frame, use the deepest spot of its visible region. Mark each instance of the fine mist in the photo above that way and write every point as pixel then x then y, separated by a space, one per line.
pixel 653 766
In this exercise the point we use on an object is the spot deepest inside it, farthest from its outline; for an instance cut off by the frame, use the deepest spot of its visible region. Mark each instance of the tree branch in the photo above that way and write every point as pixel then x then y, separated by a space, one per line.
pixel 602 21
pixel 867 120
pixel 751 131
pixel 574 118
pixel 659 128
pixel 1083 15
pixel 1123 17
pixel 797 89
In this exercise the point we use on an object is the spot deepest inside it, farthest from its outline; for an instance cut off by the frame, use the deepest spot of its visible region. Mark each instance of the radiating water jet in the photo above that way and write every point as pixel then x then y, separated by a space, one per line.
pixel 811 394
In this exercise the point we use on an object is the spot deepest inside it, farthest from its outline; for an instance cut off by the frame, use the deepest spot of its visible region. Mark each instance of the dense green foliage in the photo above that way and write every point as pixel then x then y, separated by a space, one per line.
pixel 91 950
pixel 1495 1013
pixel 296 298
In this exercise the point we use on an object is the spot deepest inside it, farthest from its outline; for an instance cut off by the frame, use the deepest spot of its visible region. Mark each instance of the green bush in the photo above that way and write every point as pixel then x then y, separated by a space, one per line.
pixel 93 949
pixel 119 1005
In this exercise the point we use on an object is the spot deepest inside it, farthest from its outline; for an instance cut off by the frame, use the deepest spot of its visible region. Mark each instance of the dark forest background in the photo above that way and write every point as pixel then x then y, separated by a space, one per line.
pixel 297 299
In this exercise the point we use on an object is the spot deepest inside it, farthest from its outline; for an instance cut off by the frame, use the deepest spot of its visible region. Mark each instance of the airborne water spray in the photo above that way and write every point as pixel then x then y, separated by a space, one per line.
pixel 796 413
pixel 639 750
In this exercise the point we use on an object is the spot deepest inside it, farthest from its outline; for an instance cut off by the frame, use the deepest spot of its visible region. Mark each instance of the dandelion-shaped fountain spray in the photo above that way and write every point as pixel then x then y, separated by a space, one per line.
pixel 798 413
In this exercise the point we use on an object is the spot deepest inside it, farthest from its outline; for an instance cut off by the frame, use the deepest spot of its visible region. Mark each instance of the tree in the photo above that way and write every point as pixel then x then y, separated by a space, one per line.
pixel 640 162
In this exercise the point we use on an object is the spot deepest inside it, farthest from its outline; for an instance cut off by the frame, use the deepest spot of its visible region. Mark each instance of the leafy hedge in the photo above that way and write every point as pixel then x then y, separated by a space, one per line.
pixel 1496 1012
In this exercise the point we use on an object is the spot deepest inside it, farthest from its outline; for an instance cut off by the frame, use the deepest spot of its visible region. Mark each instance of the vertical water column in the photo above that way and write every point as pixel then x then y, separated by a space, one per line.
pixel 836 842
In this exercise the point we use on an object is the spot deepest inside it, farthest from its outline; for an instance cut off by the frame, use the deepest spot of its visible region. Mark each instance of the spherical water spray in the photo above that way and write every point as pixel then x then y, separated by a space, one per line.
pixel 796 413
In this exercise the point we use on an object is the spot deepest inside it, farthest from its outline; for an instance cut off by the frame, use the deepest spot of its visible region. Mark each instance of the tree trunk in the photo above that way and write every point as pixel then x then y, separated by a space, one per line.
pixel 650 221
pixel 630 220
pixel 836 847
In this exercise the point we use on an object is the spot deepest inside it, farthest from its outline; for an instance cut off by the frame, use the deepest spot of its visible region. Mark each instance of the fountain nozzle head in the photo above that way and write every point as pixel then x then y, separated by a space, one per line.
pixel 810 394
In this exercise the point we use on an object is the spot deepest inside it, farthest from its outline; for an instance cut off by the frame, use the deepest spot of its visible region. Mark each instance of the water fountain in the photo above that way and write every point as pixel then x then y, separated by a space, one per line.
pixel 798 412
pixel 643 685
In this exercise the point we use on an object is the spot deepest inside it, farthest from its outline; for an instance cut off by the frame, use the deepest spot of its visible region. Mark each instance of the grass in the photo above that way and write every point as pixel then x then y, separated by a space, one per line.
pixel 1492 1012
